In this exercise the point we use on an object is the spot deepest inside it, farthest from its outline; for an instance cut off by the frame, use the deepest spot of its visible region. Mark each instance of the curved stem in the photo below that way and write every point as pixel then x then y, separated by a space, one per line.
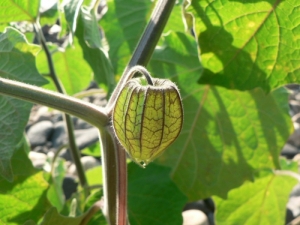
pixel 142 70
pixel 91 113
pixel 128 76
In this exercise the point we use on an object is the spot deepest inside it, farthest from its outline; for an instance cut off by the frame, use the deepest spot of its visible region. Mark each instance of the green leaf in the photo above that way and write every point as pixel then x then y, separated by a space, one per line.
pixel 71 69
pixel 72 9
pixel 268 196
pixel 98 218
pixel 97 57
pixel 93 36
pixel 17 62
pixel 94 176
pixel 17 59
pixel 53 217
pixel 55 192
pixel 18 10
pixel 226 134
pixel 152 197
pixel 250 44
pixel 93 150
pixel 29 222
pixel 124 23
pixel 25 198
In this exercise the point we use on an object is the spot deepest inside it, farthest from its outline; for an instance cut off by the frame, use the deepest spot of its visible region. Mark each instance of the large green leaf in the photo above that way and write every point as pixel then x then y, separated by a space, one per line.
pixel 226 134
pixel 18 10
pixel 92 42
pixel 24 198
pixel 248 44
pixel 261 202
pixel 17 62
pixel 152 197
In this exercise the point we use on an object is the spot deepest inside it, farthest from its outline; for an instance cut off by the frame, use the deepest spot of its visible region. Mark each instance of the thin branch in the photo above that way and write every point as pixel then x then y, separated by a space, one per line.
pixel 73 148
pixel 52 73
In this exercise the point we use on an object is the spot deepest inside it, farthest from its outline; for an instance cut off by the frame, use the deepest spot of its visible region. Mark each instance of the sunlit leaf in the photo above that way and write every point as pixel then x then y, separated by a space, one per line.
pixel 248 44
pixel 268 195
pixel 18 10
pixel 24 198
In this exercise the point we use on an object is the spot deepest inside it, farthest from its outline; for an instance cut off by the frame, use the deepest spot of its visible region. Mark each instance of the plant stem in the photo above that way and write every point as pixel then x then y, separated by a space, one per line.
pixel 75 153
pixel 110 176
pixel 122 186
pixel 91 113
pixel 147 43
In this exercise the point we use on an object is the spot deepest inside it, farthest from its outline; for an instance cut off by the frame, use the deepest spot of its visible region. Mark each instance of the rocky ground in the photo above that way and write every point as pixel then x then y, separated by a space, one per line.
pixel 46 134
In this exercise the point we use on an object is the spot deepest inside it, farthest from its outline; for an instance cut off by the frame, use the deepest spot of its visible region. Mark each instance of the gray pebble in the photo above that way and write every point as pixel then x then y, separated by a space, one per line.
pixel 81 124
pixel 86 137
pixel 39 133
pixel 294 206
pixel 38 159
pixel 289 151
pixel 69 186
pixel 296 191
pixel 59 135
pixel 194 217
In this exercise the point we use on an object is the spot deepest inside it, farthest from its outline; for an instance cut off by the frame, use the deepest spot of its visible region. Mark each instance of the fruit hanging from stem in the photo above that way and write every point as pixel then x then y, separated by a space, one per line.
pixel 147 117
